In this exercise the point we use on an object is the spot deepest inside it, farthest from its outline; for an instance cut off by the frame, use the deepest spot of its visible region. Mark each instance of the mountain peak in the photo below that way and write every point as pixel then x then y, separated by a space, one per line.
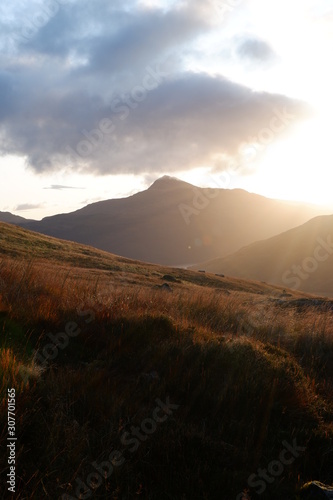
pixel 168 182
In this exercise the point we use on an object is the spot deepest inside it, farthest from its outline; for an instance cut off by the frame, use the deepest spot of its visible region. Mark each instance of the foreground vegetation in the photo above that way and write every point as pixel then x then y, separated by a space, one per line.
pixel 93 351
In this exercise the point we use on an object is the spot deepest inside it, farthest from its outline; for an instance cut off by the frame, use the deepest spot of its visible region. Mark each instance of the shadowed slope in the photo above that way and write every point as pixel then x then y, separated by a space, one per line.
pixel 300 258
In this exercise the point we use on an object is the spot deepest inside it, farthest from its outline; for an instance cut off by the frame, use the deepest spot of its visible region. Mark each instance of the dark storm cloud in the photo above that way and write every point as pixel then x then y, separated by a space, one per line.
pixel 91 65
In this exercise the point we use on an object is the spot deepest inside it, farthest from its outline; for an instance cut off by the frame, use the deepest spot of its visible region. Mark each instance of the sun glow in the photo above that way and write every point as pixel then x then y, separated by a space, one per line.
pixel 300 167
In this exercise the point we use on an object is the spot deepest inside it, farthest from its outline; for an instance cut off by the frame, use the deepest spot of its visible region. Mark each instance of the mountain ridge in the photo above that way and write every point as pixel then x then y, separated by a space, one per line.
pixel 10 218
pixel 176 223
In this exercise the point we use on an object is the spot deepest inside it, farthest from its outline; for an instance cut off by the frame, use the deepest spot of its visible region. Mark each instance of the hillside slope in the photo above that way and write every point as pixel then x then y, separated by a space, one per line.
pixel 22 245
pixel 301 258
pixel 135 380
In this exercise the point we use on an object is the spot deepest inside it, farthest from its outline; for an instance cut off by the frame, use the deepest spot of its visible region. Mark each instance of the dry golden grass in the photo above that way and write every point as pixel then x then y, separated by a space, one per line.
pixel 248 371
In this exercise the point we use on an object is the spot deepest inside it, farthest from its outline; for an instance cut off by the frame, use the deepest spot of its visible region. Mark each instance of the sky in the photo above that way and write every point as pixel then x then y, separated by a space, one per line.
pixel 100 98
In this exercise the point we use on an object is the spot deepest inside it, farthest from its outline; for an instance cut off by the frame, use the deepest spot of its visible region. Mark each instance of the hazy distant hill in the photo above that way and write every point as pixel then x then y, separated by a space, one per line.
pixel 11 219
pixel 175 223
pixel 301 258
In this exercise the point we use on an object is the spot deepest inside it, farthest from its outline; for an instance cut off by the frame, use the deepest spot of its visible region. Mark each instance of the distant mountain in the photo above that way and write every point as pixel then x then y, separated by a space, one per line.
pixel 11 219
pixel 301 258
pixel 175 223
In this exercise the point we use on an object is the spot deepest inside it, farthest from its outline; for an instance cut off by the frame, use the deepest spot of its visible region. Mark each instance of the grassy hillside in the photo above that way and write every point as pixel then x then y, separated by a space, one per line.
pixel 181 391
pixel 300 258
pixel 30 247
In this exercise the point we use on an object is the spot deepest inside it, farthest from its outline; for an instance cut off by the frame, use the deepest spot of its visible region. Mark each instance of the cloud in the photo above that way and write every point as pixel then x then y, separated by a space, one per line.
pixel 185 122
pixel 130 47
pixel 106 36
pixel 7 95
pixel 85 93
pixel 60 187
pixel 27 206
pixel 255 50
